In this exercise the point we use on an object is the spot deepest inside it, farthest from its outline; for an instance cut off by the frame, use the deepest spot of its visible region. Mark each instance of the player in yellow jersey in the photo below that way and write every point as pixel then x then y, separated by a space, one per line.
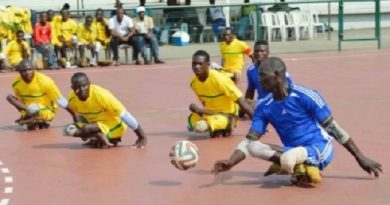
pixel 232 52
pixel 36 97
pixel 15 52
pixel 86 36
pixel 102 31
pixel 219 97
pixel 99 115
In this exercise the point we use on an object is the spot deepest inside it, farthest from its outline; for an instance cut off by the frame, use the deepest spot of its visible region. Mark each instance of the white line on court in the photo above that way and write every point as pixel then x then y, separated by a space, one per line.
pixel 8 179
pixel 4 201
pixel 8 190
pixel 5 170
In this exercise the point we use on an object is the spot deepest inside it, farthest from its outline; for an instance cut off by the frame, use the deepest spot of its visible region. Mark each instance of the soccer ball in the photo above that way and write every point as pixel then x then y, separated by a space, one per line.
pixel 184 155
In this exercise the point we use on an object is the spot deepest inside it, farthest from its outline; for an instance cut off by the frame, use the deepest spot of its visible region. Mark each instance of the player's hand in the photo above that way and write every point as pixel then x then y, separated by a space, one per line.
pixel 370 166
pixel 221 166
pixel 140 143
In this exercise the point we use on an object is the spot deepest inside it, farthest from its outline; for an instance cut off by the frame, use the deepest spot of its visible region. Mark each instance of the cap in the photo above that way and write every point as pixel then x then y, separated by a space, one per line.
pixel 140 9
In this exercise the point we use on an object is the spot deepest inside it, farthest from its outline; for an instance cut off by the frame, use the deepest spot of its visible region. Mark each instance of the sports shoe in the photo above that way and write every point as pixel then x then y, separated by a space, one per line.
pixel 306 175
pixel 313 173
pixel 158 61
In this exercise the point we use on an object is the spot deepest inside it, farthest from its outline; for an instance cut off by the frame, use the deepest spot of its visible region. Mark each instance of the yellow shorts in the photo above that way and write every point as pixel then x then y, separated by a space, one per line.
pixel 111 129
pixel 216 122
pixel 45 113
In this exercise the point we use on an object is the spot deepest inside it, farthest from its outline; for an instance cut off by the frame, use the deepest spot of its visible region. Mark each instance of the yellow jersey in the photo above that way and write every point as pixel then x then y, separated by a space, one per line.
pixel 218 93
pixel 101 105
pixel 14 52
pixel 233 55
pixel 85 35
pixel 101 34
pixel 41 90
pixel 65 28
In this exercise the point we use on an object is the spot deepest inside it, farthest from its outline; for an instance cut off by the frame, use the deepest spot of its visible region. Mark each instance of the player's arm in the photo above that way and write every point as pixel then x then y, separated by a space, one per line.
pixel 245 106
pixel 237 156
pixel 249 94
pixel 333 129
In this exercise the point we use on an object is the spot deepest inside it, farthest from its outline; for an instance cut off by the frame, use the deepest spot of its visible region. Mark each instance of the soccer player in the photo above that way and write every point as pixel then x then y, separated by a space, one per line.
pixel 86 36
pixel 102 31
pixel 219 97
pixel 232 52
pixel 304 124
pixel 99 115
pixel 36 97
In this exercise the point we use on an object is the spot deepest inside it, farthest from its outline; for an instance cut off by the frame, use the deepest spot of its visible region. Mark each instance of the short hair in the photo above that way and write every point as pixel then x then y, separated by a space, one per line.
pixel 89 17
pixel 77 76
pixel 19 32
pixel 203 53
pixel 66 6
pixel 25 64
pixel 275 64
pixel 261 42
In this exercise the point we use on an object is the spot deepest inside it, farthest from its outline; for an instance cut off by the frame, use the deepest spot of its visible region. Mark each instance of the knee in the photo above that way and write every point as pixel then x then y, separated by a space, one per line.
pixel 292 157
pixel 260 150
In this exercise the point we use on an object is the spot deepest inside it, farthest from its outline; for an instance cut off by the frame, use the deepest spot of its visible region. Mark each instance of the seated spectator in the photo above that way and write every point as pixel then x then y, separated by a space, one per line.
pixel 282 6
pixel 244 20
pixel 102 31
pixel 14 52
pixel 143 25
pixel 216 17
pixel 86 36
pixel 42 37
pixel 66 31
pixel 122 32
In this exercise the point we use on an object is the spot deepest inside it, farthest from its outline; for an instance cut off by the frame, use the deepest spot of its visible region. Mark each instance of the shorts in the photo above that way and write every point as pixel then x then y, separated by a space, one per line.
pixel 320 154
pixel 215 122
pixel 111 129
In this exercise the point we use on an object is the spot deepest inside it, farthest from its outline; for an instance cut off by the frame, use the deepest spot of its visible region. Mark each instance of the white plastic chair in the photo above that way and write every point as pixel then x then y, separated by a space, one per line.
pixel 287 24
pixel 302 23
pixel 271 23
pixel 316 23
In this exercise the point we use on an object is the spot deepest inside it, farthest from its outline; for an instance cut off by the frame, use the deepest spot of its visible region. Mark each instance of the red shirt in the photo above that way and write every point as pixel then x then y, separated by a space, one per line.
pixel 42 34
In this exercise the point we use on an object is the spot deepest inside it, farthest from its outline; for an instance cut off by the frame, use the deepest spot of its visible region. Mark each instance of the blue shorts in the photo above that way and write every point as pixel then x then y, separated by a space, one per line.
pixel 320 154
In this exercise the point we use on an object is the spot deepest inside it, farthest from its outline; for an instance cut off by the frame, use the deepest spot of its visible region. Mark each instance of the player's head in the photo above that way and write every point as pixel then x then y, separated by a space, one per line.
pixel 80 85
pixel 43 17
pixel 19 35
pixel 50 14
pixel 119 14
pixel 99 14
pixel 200 64
pixel 260 51
pixel 272 73
pixel 227 35
pixel 26 70
pixel 64 14
pixel 88 21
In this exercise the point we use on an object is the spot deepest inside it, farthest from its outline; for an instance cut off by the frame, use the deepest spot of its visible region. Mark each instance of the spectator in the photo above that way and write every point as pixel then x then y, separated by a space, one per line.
pixel 66 31
pixel 102 31
pixel 122 32
pixel 42 38
pixel 282 6
pixel 143 25
pixel 15 52
pixel 86 36
pixel 216 17
pixel 244 20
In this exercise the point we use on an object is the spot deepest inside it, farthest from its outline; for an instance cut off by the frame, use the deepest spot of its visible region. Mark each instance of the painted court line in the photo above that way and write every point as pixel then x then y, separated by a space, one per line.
pixel 8 190
pixel 8 179
pixel 5 170
pixel 4 201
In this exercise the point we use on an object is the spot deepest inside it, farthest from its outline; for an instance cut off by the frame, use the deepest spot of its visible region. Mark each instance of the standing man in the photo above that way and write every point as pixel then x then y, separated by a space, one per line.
pixel 215 16
pixel 36 97
pixel 232 52
pixel 219 97
pixel 304 124
pixel 143 25
pixel 122 31
pixel 99 114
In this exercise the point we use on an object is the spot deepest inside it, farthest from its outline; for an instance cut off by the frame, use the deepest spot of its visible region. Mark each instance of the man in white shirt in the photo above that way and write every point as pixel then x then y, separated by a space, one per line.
pixel 121 28
pixel 143 25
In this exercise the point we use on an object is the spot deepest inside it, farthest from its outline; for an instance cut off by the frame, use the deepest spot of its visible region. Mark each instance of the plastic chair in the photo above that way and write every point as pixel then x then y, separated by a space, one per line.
pixel 271 23
pixel 316 23
pixel 287 24
pixel 206 28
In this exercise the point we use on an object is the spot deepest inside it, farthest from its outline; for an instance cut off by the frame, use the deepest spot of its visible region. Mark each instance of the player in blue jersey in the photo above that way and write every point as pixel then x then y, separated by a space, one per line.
pixel 304 124
pixel 261 52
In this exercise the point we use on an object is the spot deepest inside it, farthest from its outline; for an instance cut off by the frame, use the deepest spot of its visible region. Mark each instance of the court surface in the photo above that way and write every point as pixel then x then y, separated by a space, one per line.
pixel 43 167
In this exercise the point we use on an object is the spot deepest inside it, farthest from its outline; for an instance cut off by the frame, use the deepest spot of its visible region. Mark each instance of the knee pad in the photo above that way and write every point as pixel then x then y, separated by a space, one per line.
pixel 260 150
pixel 201 126
pixel 292 157
pixel 33 109
pixel 2 56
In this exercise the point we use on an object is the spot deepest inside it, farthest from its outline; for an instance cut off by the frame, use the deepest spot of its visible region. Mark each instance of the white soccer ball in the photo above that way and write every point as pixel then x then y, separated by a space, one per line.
pixel 32 109
pixel 70 129
pixel 184 155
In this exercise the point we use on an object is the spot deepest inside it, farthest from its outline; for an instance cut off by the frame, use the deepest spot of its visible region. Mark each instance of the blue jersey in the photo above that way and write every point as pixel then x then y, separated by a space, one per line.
pixel 295 118
pixel 252 74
